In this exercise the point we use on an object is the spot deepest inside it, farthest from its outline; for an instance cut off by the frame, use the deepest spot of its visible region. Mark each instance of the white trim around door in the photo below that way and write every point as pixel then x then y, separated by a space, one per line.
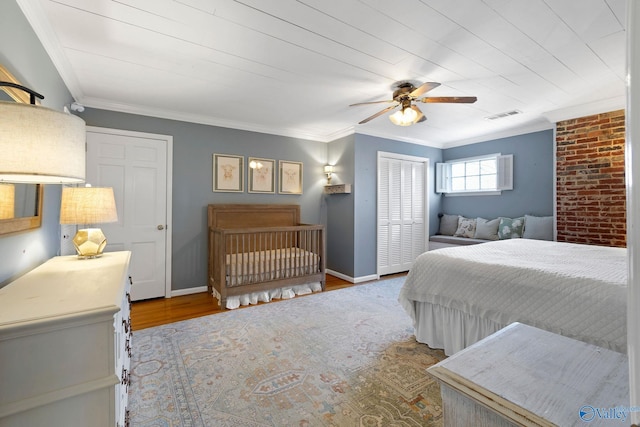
pixel 168 139
pixel 397 233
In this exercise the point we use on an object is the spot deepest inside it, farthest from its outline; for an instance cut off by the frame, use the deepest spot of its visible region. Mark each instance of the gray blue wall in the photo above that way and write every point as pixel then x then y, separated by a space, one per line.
pixel 193 149
pixel 533 170
pixel 365 202
pixel 340 209
pixel 352 218
pixel 23 55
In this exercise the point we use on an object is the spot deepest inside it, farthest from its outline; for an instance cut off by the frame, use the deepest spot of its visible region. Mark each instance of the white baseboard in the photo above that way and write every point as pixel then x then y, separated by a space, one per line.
pixel 198 289
pixel 188 291
pixel 366 278
pixel 352 279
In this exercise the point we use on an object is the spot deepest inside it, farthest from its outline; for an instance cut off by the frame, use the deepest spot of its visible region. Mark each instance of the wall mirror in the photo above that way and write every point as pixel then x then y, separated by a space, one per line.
pixel 24 212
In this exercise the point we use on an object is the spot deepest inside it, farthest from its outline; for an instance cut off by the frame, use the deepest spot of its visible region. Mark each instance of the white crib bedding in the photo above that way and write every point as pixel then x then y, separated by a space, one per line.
pixel 284 292
pixel 260 266
pixel 579 291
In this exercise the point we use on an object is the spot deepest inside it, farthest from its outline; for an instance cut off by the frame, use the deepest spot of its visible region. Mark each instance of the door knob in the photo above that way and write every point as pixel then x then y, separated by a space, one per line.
pixel 161 227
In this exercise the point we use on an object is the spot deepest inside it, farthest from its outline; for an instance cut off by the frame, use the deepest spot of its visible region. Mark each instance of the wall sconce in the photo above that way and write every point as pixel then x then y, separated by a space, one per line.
pixel 7 201
pixel 40 145
pixel 328 170
pixel 88 205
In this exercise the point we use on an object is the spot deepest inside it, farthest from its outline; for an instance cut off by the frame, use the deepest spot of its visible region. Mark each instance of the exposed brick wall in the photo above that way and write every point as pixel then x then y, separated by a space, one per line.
pixel 590 183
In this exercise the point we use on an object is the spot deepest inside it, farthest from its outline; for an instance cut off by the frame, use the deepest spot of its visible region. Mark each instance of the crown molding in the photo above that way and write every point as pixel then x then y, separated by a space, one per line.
pixel 587 109
pixel 204 120
pixel 507 133
pixel 36 16
pixel 399 138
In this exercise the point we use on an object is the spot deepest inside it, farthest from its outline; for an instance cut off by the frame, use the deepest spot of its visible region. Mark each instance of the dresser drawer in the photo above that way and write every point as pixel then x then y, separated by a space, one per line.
pixel 65 342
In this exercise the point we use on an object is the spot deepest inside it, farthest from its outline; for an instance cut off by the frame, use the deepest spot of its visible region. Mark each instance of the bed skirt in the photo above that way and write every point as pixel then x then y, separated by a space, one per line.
pixel 463 329
pixel 285 292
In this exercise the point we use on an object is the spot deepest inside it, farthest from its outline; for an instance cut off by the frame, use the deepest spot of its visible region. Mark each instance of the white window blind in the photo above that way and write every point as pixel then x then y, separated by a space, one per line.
pixel 473 176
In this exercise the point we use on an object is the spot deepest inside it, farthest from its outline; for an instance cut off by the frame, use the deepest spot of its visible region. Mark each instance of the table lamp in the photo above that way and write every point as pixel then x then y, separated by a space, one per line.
pixel 88 206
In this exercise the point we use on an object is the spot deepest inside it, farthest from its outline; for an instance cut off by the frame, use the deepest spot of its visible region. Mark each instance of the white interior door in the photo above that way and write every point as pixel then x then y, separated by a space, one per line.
pixel 402 203
pixel 137 166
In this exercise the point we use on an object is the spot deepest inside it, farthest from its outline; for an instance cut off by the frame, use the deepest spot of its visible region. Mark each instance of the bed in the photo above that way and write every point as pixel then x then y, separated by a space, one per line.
pixel 259 252
pixel 457 296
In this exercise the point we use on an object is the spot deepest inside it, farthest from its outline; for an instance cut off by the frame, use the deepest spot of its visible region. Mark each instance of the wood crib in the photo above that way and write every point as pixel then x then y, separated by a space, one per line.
pixel 259 250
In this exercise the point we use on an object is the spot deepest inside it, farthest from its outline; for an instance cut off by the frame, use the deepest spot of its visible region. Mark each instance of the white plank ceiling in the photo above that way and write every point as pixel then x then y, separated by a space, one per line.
pixel 292 67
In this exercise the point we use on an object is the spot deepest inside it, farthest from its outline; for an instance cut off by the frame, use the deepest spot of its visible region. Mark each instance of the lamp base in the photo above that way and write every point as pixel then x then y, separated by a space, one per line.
pixel 89 243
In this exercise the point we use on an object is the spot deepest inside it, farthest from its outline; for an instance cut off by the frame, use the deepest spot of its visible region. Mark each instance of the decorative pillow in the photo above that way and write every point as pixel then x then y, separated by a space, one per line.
pixel 487 229
pixel 538 227
pixel 466 227
pixel 448 224
pixel 510 228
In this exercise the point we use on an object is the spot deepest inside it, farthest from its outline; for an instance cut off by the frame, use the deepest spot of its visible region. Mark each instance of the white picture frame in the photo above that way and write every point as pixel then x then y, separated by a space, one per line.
pixel 262 175
pixel 228 173
pixel 290 177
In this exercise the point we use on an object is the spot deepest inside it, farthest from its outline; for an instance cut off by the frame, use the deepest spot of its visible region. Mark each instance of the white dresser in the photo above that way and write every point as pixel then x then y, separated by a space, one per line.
pixel 65 344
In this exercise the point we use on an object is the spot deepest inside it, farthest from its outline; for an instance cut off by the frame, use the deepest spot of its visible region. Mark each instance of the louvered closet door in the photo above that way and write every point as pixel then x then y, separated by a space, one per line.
pixel 389 216
pixel 413 202
pixel 401 214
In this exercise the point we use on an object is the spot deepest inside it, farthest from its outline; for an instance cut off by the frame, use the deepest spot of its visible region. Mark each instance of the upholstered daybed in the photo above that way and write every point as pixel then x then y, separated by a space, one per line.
pixel 457 230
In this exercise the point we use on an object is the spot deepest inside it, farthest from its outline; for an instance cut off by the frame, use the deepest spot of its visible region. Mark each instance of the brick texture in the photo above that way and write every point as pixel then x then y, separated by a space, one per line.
pixel 590 182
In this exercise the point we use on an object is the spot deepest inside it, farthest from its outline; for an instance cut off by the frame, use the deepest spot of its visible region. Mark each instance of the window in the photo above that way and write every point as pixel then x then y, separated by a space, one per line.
pixel 487 175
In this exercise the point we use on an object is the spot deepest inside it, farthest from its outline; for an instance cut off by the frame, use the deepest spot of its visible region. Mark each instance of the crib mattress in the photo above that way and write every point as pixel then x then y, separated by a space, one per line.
pixel 260 266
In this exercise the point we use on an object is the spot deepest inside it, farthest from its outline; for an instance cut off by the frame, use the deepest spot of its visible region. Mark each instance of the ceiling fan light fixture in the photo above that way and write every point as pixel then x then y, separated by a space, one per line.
pixel 405 117
pixel 404 96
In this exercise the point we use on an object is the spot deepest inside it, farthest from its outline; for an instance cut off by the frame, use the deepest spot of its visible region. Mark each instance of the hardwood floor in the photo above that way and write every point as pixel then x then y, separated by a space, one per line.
pixel 159 311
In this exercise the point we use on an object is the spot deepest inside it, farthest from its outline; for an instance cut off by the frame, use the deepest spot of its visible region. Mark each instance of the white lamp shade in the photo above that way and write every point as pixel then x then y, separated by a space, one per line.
pixel 7 201
pixel 40 145
pixel 87 205
pixel 328 169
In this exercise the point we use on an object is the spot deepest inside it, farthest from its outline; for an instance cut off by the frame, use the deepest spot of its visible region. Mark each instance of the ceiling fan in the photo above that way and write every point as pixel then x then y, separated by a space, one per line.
pixel 404 95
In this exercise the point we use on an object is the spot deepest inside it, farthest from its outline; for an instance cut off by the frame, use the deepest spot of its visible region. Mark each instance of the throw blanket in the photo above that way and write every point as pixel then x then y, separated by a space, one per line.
pixel 578 291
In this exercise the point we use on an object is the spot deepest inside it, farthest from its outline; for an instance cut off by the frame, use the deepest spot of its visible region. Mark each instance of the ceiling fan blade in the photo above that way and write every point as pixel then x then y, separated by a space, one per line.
pixel 424 88
pixel 379 113
pixel 421 117
pixel 450 99
pixel 372 102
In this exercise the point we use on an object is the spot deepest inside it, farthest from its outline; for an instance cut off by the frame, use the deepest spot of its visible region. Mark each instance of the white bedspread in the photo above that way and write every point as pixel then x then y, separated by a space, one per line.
pixel 579 291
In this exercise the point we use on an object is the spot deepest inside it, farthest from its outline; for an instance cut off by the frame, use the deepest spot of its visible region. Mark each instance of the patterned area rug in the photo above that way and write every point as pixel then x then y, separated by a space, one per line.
pixel 340 358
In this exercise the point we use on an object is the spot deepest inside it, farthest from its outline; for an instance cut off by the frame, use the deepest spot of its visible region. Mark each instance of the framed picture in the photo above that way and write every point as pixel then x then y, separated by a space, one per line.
pixel 262 175
pixel 290 177
pixel 228 173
